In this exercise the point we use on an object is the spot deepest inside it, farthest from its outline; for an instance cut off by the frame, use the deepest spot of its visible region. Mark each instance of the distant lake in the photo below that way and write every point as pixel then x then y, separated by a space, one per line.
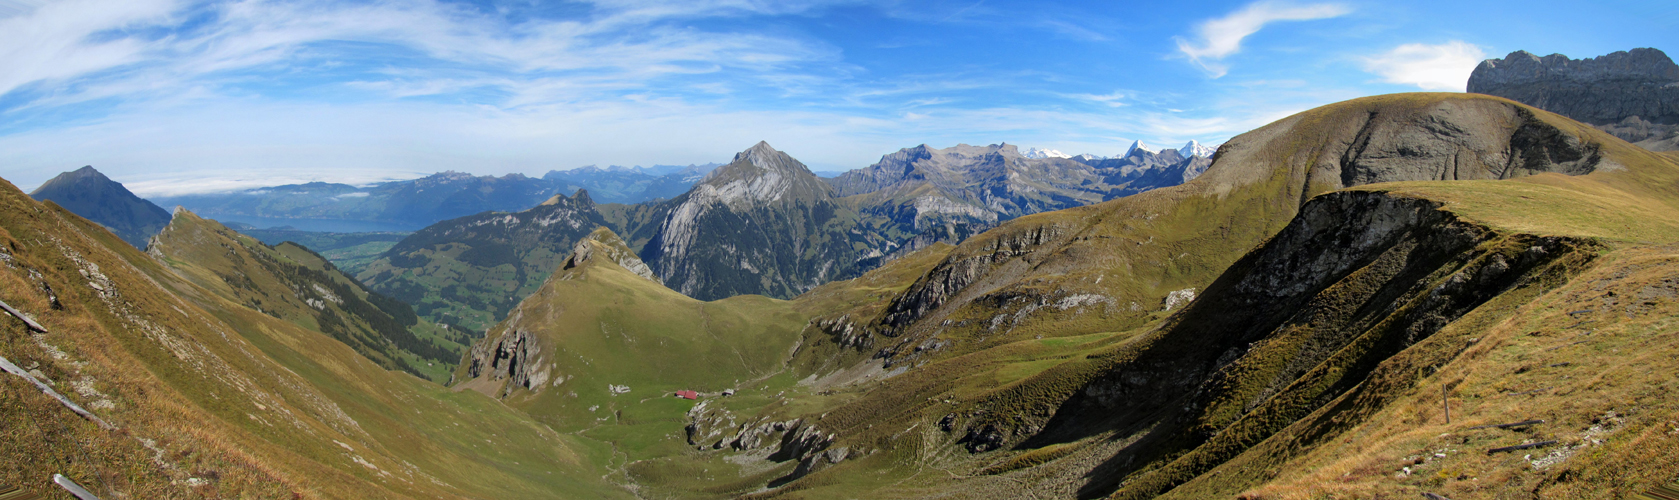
pixel 318 225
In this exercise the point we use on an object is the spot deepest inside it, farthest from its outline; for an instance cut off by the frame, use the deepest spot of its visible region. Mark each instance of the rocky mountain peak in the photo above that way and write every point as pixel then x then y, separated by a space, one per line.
pixel 88 193
pixel 761 155
pixel 1194 148
pixel 759 174
pixel 1522 66
pixel 1138 146
pixel 582 199
pixel 1038 154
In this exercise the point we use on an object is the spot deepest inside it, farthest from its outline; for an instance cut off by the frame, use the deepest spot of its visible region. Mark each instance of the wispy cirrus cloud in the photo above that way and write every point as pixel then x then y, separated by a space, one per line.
pixel 1443 66
pixel 97 48
pixel 1115 99
pixel 1218 38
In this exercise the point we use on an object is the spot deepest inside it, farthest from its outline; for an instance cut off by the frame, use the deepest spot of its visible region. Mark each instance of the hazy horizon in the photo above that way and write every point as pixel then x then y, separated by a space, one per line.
pixel 174 96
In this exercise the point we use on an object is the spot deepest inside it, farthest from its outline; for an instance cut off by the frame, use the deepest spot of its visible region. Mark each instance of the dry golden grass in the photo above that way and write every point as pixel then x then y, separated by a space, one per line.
pixel 1595 359
pixel 214 400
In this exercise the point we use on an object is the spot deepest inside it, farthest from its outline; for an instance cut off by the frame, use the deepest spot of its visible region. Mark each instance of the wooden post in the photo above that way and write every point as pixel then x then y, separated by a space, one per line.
pixel 1446 403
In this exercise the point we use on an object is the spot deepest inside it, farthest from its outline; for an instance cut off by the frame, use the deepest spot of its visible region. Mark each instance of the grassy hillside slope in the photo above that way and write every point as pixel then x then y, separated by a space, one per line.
pixel 211 399
pixel 291 282
pixel 471 271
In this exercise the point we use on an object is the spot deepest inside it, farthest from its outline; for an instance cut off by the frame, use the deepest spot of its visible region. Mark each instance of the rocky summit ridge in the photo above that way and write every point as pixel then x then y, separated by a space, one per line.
pixel 1632 94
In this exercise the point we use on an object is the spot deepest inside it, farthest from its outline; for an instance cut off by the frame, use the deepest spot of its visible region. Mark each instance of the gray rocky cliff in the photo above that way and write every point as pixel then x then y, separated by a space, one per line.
pixel 515 356
pixel 763 224
pixel 1632 94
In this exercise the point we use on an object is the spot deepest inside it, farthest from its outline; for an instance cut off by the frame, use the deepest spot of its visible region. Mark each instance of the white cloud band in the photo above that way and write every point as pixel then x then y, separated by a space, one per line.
pixel 1221 37
pixel 1431 67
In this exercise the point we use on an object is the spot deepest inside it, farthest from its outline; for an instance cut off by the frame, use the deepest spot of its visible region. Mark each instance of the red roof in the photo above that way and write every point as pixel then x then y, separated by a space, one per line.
pixel 687 394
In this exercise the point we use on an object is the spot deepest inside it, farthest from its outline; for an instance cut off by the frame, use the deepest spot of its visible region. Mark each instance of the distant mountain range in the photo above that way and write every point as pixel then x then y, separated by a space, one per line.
pixel 763 224
pixel 420 202
pixel 412 204
pixel 90 194
pixel 1633 94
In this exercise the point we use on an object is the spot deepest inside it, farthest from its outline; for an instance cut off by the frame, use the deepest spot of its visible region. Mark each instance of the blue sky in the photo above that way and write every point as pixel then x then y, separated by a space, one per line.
pixel 173 96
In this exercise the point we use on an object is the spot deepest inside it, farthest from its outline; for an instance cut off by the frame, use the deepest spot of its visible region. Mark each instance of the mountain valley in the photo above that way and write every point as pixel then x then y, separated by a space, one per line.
pixel 1438 295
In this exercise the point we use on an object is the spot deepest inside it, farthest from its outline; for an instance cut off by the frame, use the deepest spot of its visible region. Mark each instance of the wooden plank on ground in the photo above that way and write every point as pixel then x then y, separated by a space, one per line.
pixel 28 321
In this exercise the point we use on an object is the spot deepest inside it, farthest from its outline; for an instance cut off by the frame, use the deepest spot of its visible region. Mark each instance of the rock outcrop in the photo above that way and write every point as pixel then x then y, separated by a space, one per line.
pixel 605 245
pixel 1632 94
pixel 515 357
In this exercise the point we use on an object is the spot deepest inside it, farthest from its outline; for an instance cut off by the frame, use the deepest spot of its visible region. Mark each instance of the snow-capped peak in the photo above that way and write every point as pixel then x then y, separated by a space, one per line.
pixel 1136 146
pixel 1089 157
pixel 1194 148
pixel 1039 154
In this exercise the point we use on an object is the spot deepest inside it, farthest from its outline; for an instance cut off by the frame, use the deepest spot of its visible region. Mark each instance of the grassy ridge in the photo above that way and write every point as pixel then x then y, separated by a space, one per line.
pixel 213 399
pixel 351 252
pixel 291 282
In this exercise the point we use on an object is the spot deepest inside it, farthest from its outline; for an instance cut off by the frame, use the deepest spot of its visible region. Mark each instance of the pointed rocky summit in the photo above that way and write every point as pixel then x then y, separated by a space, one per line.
pixel 90 194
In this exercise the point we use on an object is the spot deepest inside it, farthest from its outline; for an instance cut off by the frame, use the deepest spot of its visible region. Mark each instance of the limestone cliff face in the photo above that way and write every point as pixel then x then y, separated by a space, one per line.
pixel 1632 94
pixel 763 224
pixel 515 356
